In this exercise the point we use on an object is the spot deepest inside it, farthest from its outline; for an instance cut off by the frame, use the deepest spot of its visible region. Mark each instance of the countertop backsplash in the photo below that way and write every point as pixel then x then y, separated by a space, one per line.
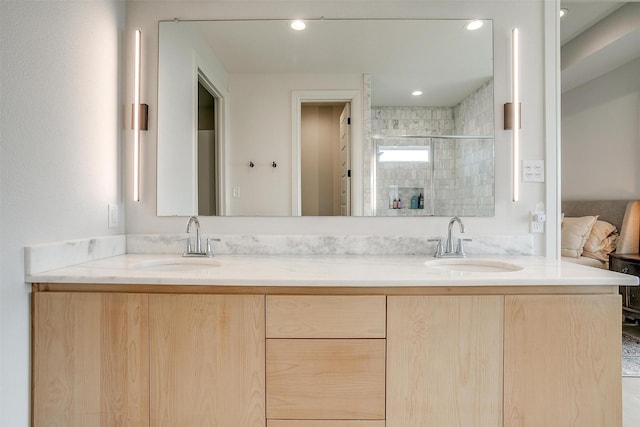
pixel 49 256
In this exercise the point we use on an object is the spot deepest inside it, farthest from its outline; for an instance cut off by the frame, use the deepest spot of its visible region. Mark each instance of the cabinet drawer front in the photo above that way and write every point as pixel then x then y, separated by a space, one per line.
pixel 326 316
pixel 326 379
pixel 324 423
pixel 625 266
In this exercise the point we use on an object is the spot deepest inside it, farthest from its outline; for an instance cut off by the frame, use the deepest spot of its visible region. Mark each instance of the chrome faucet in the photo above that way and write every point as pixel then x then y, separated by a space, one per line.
pixel 449 246
pixel 197 251
pixel 448 251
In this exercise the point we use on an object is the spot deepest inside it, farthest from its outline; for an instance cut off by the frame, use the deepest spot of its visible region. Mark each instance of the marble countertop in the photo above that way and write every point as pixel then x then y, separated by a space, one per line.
pixel 329 271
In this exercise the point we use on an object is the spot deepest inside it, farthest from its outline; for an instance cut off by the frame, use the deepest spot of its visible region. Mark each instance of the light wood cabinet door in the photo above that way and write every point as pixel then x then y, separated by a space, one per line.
pixel 319 379
pixel 444 361
pixel 562 360
pixel 90 359
pixel 207 357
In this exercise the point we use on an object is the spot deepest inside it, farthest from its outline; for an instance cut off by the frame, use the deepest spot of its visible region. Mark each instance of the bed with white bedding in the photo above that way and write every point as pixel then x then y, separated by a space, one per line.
pixel 593 229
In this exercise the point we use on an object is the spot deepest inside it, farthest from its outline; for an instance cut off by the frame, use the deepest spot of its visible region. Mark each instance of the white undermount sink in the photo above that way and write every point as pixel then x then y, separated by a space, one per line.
pixel 473 265
pixel 177 264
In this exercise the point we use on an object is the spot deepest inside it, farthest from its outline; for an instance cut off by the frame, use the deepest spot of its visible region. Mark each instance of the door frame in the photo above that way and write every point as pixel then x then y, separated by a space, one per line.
pixel 357 134
pixel 221 143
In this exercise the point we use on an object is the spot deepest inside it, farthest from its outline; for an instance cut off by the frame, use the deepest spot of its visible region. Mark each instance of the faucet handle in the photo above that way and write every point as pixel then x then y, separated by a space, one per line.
pixel 188 248
pixel 209 249
pixel 460 248
pixel 439 251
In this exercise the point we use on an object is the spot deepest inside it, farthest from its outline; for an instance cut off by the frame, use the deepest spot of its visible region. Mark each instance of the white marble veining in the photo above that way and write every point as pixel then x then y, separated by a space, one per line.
pixel 325 271
pixel 49 256
pixel 328 245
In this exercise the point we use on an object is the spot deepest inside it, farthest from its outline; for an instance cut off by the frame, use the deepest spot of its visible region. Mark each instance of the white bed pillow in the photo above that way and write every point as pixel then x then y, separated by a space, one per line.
pixel 575 231
pixel 601 241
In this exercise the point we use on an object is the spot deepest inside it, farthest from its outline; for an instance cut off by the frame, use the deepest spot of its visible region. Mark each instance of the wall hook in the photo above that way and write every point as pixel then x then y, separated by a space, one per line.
pixel 274 164
pixel 251 164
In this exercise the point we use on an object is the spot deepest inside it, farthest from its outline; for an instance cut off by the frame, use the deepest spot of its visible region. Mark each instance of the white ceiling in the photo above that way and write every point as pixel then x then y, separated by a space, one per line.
pixel 597 37
pixel 582 15
pixel 439 57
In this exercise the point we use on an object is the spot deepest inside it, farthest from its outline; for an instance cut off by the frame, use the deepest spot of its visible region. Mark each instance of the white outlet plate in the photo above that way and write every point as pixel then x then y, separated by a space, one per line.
pixel 537 227
pixel 236 192
pixel 114 216
pixel 533 170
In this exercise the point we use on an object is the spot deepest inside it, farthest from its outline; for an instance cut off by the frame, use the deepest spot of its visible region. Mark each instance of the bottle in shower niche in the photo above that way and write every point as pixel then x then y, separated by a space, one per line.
pixel 414 202
pixel 399 203
pixel 395 203
pixel 393 196
pixel 421 202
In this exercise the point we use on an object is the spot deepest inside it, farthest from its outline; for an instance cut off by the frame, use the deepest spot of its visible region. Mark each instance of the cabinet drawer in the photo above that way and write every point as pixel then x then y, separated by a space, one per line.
pixel 322 379
pixel 326 316
pixel 624 266
pixel 324 423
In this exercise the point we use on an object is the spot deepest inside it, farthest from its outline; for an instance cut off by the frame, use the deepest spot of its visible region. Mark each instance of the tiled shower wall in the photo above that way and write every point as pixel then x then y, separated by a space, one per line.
pixel 474 157
pixel 461 170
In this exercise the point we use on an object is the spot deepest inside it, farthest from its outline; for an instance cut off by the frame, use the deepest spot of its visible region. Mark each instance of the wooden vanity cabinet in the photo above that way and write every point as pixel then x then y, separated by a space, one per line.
pixel 513 360
pixel 119 359
pixel 90 355
pixel 325 360
pixel 562 358
pixel 444 361
pixel 324 423
pixel 475 356
pixel 207 360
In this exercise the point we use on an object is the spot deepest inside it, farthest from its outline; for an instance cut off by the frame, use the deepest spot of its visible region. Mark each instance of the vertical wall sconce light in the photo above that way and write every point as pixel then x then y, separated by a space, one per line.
pixel 513 114
pixel 139 117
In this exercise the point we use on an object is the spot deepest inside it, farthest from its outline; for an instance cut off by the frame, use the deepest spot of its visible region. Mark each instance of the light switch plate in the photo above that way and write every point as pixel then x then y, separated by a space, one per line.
pixel 533 170
pixel 114 217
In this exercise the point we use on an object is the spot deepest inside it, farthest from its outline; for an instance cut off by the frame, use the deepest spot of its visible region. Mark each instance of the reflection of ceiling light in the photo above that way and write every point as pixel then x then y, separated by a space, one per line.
pixel 403 153
pixel 475 24
pixel 563 12
pixel 298 25
pixel 416 93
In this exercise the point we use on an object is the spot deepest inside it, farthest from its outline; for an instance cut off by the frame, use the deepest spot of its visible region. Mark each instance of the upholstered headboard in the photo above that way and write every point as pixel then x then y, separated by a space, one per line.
pixel 624 214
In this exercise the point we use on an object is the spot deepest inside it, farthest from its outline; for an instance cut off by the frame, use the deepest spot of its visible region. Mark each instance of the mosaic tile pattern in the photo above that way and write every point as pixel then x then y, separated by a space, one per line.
pixel 459 180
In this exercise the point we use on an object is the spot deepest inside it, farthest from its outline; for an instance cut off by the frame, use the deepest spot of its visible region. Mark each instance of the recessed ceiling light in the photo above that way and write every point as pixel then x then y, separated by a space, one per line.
pixel 298 25
pixel 563 12
pixel 475 24
pixel 416 93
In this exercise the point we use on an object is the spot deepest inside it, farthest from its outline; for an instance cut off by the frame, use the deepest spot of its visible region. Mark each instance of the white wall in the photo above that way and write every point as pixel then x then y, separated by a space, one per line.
pixel 510 218
pixel 260 131
pixel 601 137
pixel 184 52
pixel 60 162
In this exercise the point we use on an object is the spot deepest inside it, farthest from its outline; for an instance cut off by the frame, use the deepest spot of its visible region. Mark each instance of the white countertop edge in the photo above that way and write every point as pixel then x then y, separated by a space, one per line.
pixel 337 271
pixel 50 256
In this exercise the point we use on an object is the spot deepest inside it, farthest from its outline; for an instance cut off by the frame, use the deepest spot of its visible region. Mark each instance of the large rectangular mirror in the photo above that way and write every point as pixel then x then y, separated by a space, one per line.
pixel 257 118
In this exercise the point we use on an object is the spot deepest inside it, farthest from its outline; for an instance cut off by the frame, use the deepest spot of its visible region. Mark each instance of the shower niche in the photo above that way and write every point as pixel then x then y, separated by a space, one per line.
pixel 443 175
